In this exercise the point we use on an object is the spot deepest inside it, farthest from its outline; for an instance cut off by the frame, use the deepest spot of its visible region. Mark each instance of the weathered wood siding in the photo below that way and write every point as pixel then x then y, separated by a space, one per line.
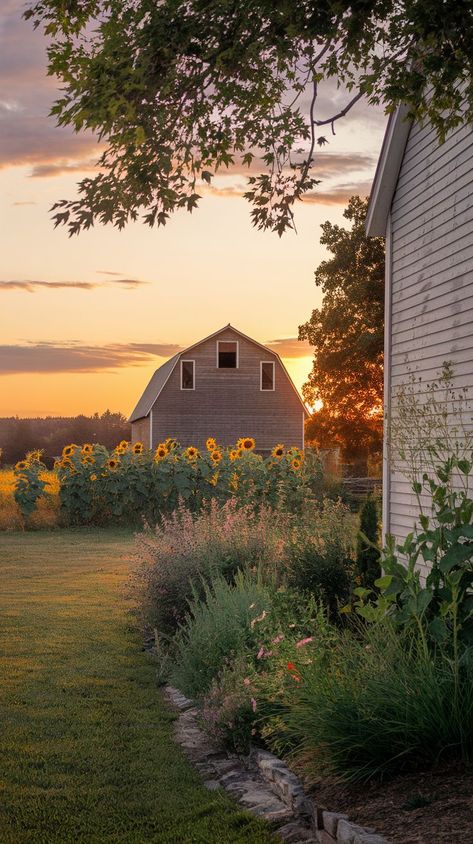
pixel 430 235
pixel 140 431
pixel 228 403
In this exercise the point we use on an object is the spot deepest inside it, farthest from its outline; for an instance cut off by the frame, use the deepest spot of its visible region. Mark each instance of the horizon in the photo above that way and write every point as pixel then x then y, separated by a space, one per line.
pixel 109 307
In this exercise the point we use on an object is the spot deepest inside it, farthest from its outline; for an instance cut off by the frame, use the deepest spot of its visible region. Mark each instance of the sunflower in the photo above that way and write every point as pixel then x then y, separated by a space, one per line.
pixel 295 452
pixel 211 444
pixel 68 450
pixel 192 453
pixel 160 452
pixel 278 450
pixel 234 454
pixel 216 456
pixel 170 443
pixel 66 463
pixel 87 448
pixel 112 463
pixel 93 477
pixel 213 480
pixel 246 443
pixel 123 444
pixel 88 460
pixel 296 463
pixel 137 448
pixel 35 456
pixel 21 466
pixel 120 450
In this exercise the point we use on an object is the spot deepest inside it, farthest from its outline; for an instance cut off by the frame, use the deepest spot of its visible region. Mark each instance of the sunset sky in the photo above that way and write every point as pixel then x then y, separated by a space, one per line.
pixel 85 321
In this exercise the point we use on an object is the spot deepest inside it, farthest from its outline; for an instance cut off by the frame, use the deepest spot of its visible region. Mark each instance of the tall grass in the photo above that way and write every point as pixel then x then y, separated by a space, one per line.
pixel 216 630
pixel 376 705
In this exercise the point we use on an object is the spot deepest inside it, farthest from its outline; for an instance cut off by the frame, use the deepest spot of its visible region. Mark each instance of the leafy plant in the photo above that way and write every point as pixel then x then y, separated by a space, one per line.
pixel 367 564
pixel 30 483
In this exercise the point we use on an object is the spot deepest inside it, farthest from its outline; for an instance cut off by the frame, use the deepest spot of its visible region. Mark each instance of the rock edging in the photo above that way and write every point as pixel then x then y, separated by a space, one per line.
pixel 264 785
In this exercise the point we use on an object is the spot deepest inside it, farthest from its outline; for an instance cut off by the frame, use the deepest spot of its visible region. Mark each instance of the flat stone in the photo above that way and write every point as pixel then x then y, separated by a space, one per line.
pixel 369 838
pixel 324 837
pixel 212 785
pixel 330 821
pixel 347 831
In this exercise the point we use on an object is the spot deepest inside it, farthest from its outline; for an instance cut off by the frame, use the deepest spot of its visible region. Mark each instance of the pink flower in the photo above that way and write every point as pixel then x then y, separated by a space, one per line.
pixel 278 639
pixel 253 704
pixel 260 653
pixel 247 681
pixel 303 642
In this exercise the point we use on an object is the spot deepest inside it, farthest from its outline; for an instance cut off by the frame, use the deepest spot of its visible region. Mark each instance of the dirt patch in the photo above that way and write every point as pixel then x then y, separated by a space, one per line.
pixel 426 807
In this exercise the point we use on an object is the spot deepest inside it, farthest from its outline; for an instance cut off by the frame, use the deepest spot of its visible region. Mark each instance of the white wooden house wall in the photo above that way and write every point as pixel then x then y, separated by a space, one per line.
pixel 423 196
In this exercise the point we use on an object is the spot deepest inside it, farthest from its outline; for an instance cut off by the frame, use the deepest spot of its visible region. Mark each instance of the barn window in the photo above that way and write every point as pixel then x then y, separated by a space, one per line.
pixel 187 374
pixel 227 354
pixel 267 375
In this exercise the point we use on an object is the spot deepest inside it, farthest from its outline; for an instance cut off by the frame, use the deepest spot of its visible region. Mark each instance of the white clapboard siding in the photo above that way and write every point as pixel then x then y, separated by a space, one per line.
pixel 431 297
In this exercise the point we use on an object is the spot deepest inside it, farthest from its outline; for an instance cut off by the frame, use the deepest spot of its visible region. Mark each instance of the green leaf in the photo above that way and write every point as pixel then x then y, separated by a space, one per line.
pixel 456 555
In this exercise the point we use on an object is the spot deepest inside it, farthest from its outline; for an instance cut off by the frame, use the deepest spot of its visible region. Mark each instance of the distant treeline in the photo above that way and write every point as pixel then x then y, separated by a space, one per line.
pixel 18 436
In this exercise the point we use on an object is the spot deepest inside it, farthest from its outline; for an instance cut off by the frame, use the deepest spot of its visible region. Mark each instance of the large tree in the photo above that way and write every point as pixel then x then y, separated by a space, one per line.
pixel 347 335
pixel 182 89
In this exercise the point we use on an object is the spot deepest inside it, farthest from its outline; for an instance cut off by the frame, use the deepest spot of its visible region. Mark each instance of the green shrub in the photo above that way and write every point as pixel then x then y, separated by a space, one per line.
pixel 375 705
pixel 216 630
pixel 320 554
pixel 367 566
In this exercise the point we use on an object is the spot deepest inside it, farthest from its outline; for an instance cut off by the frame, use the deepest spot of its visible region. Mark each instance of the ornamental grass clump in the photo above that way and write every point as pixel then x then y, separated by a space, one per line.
pixel 187 549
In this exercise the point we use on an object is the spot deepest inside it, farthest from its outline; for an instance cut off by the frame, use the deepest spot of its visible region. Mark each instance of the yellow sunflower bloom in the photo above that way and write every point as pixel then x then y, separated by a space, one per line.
pixel 192 453
pixel 21 466
pixel 137 448
pixel 93 477
pixel 213 480
pixel 216 456
pixel 296 463
pixel 247 443
pixel 112 463
pixel 35 456
pixel 119 450
pixel 124 444
pixel 66 463
pixel 170 443
pixel 211 444
pixel 161 451
pixel 88 460
pixel 234 454
pixel 87 448
pixel 68 450
pixel 278 450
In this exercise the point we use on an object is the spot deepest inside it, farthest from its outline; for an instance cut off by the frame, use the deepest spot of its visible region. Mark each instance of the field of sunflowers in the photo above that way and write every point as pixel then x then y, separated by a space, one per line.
pixel 91 485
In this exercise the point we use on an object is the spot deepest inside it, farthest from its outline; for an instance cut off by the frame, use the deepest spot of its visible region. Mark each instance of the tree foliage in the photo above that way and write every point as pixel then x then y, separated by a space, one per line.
pixel 347 335
pixel 182 89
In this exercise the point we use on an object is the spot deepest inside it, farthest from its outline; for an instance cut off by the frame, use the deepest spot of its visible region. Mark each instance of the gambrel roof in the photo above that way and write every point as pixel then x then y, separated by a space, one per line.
pixel 161 376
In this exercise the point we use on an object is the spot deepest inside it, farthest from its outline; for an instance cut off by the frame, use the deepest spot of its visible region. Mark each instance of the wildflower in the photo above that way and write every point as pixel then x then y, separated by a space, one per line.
pixel 278 639
pixel 296 678
pixel 258 618
pixel 247 681
pixel 21 466
pixel 211 444
pixel 260 653
pixel 87 448
pixel 137 448
pixel 112 463
pixel 216 456
pixel 291 666
pixel 278 450
pixel 303 642
pixel 253 704
pixel 192 453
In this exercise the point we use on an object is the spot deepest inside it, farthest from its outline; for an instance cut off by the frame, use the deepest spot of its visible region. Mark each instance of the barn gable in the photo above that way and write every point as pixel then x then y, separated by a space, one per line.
pixel 226 402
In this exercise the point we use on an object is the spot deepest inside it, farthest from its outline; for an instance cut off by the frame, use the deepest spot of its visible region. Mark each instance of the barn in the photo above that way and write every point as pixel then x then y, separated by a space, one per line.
pixel 225 386
pixel 421 203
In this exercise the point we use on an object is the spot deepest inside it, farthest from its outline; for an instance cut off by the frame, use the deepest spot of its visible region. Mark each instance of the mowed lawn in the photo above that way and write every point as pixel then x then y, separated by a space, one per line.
pixel 86 749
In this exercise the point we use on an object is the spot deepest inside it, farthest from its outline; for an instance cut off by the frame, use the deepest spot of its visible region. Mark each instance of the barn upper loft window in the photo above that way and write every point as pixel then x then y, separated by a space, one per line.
pixel 267 375
pixel 227 354
pixel 187 374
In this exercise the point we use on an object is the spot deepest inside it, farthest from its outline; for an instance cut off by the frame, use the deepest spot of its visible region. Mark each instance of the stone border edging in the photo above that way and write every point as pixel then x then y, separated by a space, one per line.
pixel 264 785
